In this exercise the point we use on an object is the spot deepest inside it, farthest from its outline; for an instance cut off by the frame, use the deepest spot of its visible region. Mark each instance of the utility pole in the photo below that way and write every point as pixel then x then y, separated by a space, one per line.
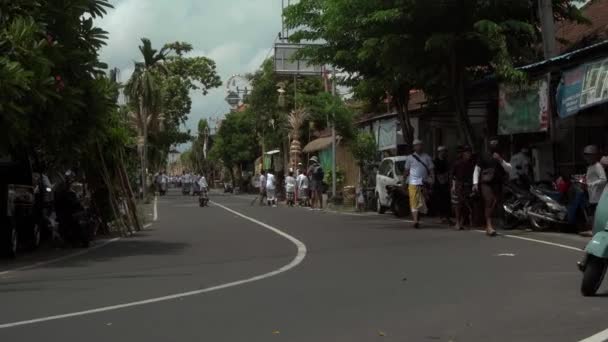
pixel 333 140
pixel 547 23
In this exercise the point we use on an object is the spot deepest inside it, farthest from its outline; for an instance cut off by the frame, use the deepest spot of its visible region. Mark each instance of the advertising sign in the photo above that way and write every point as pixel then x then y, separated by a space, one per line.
pixel 583 87
pixel 523 109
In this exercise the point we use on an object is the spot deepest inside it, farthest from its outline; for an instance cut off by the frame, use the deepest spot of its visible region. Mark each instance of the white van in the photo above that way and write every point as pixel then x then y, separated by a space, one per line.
pixel 390 172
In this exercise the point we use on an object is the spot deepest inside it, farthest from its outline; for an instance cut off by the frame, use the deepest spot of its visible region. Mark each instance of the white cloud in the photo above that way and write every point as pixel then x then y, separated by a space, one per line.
pixel 236 34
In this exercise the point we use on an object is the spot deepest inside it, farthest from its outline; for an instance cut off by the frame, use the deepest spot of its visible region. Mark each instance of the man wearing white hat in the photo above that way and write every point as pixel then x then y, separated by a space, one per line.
pixel 316 175
pixel 419 168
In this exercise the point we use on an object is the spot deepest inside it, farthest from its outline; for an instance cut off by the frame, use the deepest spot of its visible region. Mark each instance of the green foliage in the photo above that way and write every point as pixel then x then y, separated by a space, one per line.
pixel 364 148
pixel 233 142
pixel 326 108
pixel 339 179
pixel 437 46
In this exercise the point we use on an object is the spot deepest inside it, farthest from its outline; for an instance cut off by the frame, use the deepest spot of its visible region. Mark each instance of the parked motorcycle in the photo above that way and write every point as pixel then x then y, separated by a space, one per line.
pixel 518 200
pixel 44 213
pixel 399 200
pixel 203 198
pixel 77 223
pixel 561 207
pixel 595 262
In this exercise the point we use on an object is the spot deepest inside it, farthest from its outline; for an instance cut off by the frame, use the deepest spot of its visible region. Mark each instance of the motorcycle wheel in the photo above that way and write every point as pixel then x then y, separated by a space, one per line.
pixel 11 241
pixel 380 209
pixel 36 236
pixel 595 270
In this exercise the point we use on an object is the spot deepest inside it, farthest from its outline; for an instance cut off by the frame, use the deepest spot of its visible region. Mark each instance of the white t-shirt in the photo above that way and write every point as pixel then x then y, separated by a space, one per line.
pixel 262 182
pixel 302 181
pixel 520 165
pixel 270 181
pixel 290 184
pixel 418 173
pixel 202 182
pixel 596 182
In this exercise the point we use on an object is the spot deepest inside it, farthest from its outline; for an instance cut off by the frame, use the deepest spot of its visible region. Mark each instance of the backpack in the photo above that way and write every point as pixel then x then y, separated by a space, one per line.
pixel 318 174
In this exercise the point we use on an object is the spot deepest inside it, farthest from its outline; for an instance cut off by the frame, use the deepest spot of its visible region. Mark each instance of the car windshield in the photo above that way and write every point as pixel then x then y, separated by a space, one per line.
pixel 400 167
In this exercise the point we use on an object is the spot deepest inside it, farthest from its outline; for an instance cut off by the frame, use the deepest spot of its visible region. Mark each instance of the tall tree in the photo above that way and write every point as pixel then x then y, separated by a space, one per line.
pixel 437 46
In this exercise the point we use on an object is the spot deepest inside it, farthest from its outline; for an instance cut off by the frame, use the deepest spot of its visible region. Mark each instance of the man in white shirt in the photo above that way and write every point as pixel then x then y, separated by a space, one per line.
pixel 302 182
pixel 290 188
pixel 419 168
pixel 521 167
pixel 262 187
pixel 271 189
pixel 595 178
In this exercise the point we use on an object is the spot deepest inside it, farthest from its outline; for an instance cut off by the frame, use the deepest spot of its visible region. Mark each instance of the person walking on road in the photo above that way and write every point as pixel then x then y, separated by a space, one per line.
pixel 419 169
pixel 462 185
pixel 290 189
pixel 488 177
pixel 441 189
pixel 271 189
pixel 303 191
pixel 263 193
pixel 595 180
pixel 316 174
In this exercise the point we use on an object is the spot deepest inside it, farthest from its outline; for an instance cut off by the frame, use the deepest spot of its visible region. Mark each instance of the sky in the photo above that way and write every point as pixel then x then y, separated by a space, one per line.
pixel 237 34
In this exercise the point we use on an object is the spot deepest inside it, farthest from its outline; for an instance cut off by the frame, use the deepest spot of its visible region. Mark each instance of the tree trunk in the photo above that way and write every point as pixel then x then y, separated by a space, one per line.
pixel 402 99
pixel 459 96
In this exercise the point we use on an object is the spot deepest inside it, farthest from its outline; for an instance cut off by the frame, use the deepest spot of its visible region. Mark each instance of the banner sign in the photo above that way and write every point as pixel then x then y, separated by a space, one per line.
pixel 523 109
pixel 583 87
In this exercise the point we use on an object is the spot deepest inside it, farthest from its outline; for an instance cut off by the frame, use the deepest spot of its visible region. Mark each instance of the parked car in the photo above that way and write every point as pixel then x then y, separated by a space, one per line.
pixel 18 226
pixel 390 173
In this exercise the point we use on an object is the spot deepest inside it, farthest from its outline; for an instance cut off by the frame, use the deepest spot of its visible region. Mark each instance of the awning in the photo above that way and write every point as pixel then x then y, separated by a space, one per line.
pixel 319 144
pixel 272 152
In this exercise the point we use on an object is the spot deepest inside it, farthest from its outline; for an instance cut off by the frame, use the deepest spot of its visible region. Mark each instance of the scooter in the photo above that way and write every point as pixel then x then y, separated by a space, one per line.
pixel 203 198
pixel 558 207
pixel 595 262
pixel 400 204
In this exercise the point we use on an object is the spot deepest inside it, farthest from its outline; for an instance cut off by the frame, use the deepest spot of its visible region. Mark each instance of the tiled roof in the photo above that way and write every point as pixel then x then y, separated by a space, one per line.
pixel 581 35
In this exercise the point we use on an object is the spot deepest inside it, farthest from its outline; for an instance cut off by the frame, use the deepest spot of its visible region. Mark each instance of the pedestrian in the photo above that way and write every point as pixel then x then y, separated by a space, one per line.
pixel 488 177
pixel 521 168
pixel 462 186
pixel 419 169
pixel 316 174
pixel 303 190
pixel 441 188
pixel 271 189
pixel 263 193
pixel 595 180
pixel 290 189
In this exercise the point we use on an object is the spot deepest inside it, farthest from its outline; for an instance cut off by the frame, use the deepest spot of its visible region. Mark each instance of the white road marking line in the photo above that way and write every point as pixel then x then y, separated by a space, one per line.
pixel 537 241
pixel 63 258
pixel 602 336
pixel 301 254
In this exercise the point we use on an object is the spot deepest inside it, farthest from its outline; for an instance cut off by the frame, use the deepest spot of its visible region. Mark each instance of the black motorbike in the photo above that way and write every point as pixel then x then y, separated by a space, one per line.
pixel 77 223
pixel 400 204
pixel 517 202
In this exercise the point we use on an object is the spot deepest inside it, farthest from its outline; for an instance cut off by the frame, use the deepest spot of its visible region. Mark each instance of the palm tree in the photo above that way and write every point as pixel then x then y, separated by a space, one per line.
pixel 144 91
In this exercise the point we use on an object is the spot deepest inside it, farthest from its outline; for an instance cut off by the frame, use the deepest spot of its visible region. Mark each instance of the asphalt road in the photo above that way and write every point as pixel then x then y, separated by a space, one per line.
pixel 362 278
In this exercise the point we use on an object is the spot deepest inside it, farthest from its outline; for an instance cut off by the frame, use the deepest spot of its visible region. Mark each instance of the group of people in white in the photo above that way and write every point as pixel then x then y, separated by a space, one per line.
pixel 304 187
